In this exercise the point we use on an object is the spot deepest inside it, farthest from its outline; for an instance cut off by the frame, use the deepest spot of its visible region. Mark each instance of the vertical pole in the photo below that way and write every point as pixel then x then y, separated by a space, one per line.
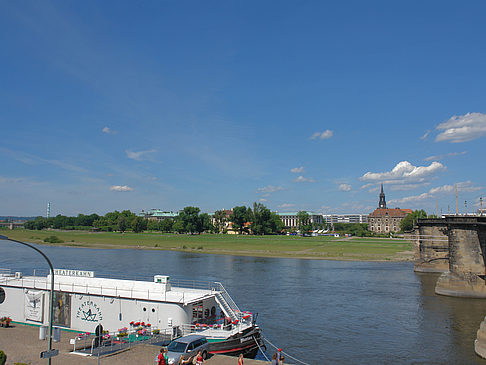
pixel 51 309
pixel 456 198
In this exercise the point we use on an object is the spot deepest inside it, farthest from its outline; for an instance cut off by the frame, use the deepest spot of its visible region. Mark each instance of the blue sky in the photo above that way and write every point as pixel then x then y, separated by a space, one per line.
pixel 302 105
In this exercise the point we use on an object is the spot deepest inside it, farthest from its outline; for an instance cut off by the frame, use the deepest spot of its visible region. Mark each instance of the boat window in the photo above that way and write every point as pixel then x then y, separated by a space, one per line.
pixel 2 295
pixel 144 309
pixel 206 313
pixel 153 310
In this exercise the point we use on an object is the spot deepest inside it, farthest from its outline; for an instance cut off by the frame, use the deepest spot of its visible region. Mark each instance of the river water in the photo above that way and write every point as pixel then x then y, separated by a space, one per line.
pixel 320 312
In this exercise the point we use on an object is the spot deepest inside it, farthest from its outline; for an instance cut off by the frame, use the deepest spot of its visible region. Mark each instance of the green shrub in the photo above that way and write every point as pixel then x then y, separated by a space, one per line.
pixel 53 239
pixel 3 357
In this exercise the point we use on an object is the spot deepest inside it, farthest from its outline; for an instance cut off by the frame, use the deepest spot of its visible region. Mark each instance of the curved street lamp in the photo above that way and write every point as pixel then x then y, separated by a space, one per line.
pixel 52 287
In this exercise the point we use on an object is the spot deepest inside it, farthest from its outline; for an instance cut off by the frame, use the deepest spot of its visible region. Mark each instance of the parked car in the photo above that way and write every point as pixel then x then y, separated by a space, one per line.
pixel 187 346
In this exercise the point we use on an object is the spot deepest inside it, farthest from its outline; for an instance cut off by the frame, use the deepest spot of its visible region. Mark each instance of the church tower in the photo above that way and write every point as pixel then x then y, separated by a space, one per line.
pixel 382 203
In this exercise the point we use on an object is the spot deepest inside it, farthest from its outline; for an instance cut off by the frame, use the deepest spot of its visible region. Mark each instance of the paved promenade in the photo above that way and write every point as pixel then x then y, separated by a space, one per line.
pixel 21 344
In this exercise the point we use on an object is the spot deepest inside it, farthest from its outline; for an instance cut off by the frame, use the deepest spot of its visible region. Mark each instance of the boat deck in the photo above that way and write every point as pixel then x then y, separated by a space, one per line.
pixel 131 289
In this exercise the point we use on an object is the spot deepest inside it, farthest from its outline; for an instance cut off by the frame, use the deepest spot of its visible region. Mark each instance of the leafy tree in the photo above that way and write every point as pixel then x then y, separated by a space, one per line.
pixel 261 219
pixel 166 225
pixel 139 224
pixel 220 221
pixel 121 223
pixel 178 226
pixel 239 217
pixel 204 223
pixel 153 225
pixel 410 219
pixel 189 217
pixel 355 229
pixel 303 222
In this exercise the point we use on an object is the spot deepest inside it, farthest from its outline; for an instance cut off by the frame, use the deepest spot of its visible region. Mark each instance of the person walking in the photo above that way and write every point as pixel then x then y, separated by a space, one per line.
pixel 198 358
pixel 274 359
pixel 161 357
pixel 240 359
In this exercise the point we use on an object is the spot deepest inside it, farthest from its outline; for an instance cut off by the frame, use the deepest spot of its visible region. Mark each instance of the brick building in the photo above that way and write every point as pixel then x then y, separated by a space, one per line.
pixel 383 219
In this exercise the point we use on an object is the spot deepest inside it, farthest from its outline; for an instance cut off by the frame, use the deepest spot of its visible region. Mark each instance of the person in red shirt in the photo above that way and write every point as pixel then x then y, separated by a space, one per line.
pixel 161 357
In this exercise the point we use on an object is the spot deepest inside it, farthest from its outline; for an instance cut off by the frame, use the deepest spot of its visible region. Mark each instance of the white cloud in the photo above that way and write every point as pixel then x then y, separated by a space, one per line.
pixel 462 128
pixel 304 179
pixel 344 187
pixel 108 130
pixel 286 205
pixel 269 189
pixel 440 157
pixel 404 172
pixel 424 137
pixel 465 186
pixel 121 188
pixel 262 200
pixel 140 155
pixel 322 135
pixel 297 170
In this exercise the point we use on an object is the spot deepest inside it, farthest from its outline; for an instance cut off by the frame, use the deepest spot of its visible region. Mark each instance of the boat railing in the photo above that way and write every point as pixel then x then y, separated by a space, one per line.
pixel 89 343
pixel 227 298
pixel 5 272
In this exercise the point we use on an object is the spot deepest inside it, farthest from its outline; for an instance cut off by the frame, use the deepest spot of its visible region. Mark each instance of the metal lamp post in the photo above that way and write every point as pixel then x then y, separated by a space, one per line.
pixel 52 287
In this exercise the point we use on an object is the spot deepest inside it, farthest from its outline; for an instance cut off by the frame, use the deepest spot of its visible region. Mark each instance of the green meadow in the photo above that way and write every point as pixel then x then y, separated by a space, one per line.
pixel 323 247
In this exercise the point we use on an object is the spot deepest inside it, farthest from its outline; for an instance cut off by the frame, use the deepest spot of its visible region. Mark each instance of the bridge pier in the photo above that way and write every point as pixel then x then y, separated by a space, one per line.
pixel 467 252
pixel 432 246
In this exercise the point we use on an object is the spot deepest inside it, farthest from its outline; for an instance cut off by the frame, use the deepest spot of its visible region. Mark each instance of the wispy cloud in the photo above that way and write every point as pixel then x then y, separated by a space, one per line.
pixel 424 137
pixel 462 128
pixel 403 174
pixel 297 170
pixel 322 135
pixel 286 205
pixel 465 186
pixel 440 157
pixel 304 179
pixel 140 155
pixel 269 189
pixel 30 159
pixel 108 130
pixel 121 188
pixel 344 187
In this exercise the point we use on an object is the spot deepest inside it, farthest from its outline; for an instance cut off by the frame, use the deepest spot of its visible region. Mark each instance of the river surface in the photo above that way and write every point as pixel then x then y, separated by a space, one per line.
pixel 320 312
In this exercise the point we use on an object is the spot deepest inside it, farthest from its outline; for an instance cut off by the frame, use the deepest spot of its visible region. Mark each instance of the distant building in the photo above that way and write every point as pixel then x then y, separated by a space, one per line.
pixel 227 226
pixel 157 215
pixel 383 219
pixel 290 219
pixel 345 218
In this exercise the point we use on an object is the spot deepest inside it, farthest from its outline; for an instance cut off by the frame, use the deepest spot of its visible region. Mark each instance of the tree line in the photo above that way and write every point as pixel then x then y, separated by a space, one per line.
pixel 257 220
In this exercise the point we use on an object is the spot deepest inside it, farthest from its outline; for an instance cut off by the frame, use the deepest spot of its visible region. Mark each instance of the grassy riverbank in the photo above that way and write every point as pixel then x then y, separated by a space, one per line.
pixel 360 249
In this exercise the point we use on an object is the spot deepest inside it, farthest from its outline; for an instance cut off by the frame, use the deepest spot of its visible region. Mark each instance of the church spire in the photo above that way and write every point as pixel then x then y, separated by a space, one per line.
pixel 382 203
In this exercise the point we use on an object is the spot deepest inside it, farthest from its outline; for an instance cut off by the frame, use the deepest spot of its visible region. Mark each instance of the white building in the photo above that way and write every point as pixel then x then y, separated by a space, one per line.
pixel 345 218
pixel 290 219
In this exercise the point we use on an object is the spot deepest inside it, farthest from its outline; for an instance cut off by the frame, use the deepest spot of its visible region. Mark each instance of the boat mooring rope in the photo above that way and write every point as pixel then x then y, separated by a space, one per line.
pixel 261 350
pixel 286 354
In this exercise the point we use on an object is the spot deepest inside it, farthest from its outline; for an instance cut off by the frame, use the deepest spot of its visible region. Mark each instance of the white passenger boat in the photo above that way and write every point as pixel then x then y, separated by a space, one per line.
pixel 82 301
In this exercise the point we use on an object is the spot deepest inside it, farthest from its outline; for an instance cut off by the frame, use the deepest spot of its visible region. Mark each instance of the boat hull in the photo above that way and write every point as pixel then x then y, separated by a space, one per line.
pixel 247 343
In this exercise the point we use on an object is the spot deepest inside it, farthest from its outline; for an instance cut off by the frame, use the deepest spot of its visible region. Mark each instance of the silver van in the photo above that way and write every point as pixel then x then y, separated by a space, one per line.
pixel 187 346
